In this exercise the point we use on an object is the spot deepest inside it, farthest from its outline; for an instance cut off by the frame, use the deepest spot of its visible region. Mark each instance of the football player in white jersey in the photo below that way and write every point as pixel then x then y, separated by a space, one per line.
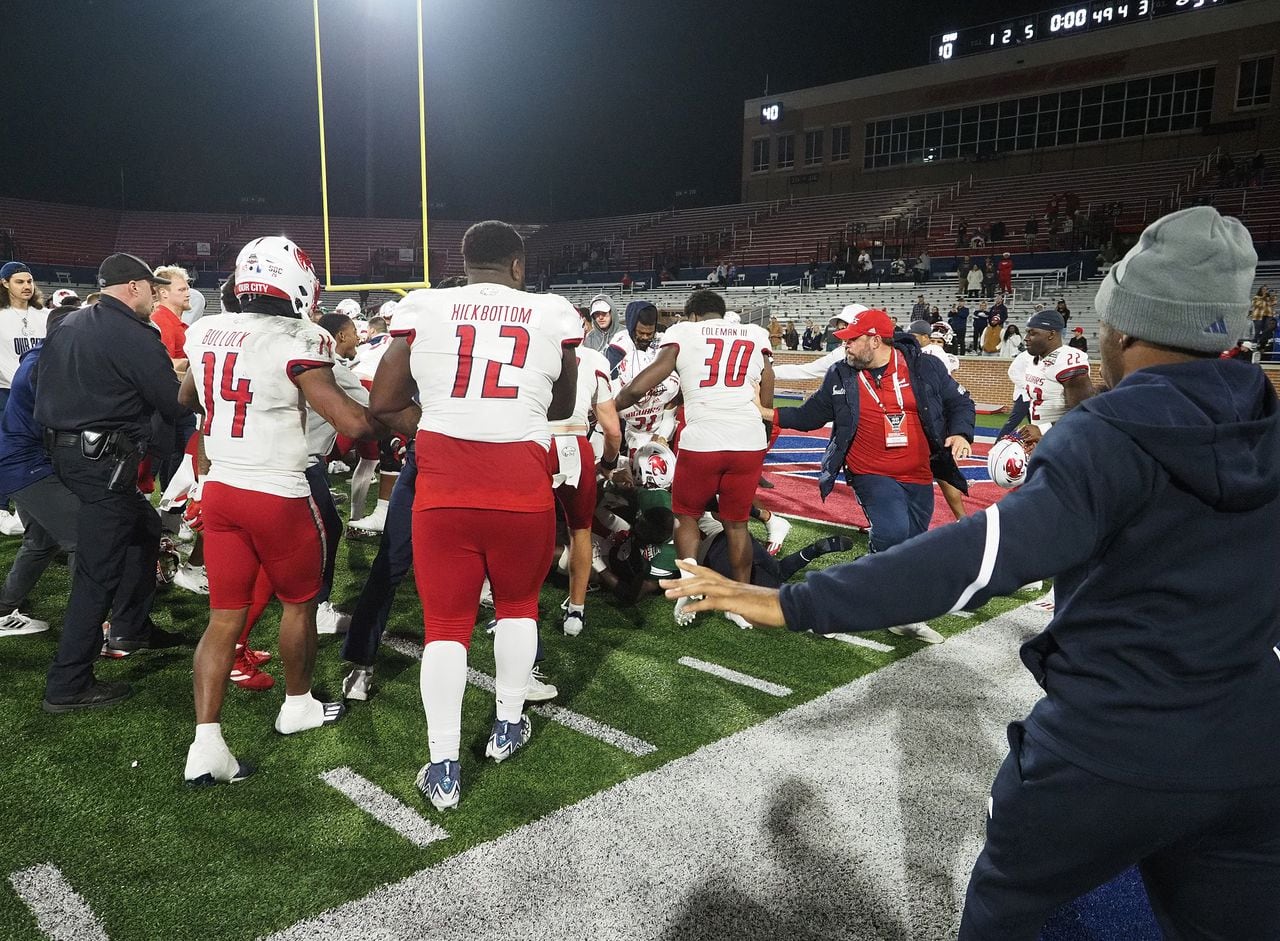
pixel 1057 380
pixel 723 441
pixel 817 367
pixel 653 416
pixel 491 366
pixel 575 478
pixel 252 374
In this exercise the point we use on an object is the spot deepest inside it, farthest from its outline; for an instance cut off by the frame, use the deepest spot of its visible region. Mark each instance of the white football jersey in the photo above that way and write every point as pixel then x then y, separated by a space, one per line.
pixel 719 365
pixel 593 385
pixel 1043 382
pixel 650 416
pixel 368 355
pixel 321 436
pixel 485 357
pixel 254 415
pixel 951 361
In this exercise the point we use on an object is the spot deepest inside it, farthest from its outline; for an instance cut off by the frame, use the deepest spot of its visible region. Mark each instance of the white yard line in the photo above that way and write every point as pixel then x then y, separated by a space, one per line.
pixel 859 641
pixel 61 912
pixel 733 676
pixel 566 717
pixel 384 808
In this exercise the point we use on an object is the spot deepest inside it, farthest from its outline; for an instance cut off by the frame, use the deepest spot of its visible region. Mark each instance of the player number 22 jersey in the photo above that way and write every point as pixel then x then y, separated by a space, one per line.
pixel 1043 381
pixel 244 367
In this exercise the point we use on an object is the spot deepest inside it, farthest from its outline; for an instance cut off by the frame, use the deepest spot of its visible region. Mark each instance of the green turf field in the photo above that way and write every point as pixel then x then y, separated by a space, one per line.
pixel 99 794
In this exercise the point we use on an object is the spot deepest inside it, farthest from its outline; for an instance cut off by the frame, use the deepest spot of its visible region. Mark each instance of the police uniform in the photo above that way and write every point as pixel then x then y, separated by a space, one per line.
pixel 102 377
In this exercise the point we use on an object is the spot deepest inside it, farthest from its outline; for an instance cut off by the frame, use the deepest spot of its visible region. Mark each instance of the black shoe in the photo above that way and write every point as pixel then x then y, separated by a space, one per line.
pixel 97 695
pixel 157 639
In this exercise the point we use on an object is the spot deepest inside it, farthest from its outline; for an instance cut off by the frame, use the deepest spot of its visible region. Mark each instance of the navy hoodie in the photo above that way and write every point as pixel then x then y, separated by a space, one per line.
pixel 1156 506
pixel 23 460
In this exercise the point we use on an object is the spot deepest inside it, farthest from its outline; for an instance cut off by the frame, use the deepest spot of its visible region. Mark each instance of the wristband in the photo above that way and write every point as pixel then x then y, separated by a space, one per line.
pixel 609 465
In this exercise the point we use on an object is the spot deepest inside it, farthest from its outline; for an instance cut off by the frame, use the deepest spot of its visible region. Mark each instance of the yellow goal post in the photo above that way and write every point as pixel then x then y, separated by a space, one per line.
pixel 399 287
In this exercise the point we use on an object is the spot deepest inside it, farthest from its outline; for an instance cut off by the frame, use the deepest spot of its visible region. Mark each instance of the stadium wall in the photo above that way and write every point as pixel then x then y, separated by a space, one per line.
pixel 1218 38
pixel 986 378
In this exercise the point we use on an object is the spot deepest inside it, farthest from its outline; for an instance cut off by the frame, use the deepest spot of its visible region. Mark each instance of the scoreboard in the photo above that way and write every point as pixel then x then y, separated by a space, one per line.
pixel 1081 17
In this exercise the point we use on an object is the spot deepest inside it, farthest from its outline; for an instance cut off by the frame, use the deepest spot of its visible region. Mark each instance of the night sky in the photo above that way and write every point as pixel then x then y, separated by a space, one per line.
pixel 536 110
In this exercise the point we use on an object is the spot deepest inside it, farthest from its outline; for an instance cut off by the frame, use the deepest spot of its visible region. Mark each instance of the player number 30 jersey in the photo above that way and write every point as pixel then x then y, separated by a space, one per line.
pixel 719 365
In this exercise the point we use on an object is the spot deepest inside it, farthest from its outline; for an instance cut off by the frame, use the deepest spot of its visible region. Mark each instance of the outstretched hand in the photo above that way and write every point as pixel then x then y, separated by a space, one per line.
pixel 760 606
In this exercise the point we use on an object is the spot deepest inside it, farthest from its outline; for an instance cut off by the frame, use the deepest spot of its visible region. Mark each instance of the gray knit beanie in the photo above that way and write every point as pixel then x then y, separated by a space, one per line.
pixel 1186 284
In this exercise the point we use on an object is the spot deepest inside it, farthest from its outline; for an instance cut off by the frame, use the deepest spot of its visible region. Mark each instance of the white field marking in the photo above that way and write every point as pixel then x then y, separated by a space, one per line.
pixel 61 912
pixel 566 717
pixel 384 808
pixel 733 676
pixel 859 641
pixel 961 614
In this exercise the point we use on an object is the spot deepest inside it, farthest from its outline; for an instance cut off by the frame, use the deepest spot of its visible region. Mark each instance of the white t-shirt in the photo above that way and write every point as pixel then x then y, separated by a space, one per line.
pixel 20 330
pixel 321 435
pixel 949 360
pixel 255 416
pixel 1043 381
pixel 485 357
pixel 719 365
pixel 1018 374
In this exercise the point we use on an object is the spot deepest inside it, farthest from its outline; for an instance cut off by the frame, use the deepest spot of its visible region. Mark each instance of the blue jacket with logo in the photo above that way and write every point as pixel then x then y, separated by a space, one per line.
pixel 944 410
pixel 1156 507
pixel 23 460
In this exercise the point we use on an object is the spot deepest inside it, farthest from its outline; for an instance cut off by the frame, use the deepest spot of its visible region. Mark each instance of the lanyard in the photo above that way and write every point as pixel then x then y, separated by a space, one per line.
pixel 897 385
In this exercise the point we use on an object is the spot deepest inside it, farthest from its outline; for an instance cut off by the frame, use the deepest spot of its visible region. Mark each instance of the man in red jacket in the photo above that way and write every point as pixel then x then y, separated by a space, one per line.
pixel 1004 272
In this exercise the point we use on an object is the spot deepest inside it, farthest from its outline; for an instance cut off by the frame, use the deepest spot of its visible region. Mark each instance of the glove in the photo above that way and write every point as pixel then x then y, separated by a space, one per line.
pixel 339 467
pixel 399 447
pixel 192 512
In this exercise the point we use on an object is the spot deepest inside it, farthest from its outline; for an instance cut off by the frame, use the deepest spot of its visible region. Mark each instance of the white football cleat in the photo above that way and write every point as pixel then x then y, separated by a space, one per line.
pixel 685 618
pixel 538 690
pixel 739 620
pixel 10 525
pixel 921 632
pixel 777 529
pixel 358 684
pixel 375 522
pixel 208 765
pixel 329 620
pixel 192 578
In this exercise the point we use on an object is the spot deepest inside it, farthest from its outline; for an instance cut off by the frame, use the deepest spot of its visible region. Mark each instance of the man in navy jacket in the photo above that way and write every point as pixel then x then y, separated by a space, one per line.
pixel 1156 741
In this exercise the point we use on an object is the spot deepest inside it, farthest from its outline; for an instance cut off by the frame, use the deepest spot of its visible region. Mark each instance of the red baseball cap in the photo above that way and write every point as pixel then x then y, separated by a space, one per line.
pixel 1078 330
pixel 874 323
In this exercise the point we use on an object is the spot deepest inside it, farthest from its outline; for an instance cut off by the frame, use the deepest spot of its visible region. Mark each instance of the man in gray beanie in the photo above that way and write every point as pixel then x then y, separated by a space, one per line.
pixel 1151 504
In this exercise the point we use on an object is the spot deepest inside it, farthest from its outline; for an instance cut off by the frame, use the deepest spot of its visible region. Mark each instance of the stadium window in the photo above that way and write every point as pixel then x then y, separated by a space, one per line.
pixel 786 151
pixel 760 155
pixel 1253 90
pixel 840 142
pixel 812 148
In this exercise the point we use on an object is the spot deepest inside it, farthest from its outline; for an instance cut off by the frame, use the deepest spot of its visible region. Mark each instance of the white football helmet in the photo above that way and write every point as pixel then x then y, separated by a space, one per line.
pixel 362 329
pixel 349 306
pixel 276 267
pixel 1007 462
pixel 63 296
pixel 653 465
pixel 732 316
pixel 387 309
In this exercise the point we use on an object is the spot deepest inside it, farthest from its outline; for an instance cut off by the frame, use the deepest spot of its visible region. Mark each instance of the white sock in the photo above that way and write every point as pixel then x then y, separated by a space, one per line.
pixel 209 735
pixel 382 505
pixel 515 644
pixel 576 608
pixel 303 712
pixel 360 482
pixel 443 680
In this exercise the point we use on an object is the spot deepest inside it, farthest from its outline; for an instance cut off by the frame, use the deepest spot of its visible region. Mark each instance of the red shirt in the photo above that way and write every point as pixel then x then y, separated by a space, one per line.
pixel 868 453
pixel 173 332
pixel 1005 269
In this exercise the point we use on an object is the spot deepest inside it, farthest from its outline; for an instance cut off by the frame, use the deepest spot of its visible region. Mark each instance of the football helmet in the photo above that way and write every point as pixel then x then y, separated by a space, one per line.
pixel 275 266
pixel 653 465
pixel 732 316
pixel 1007 462
pixel 387 309
pixel 349 306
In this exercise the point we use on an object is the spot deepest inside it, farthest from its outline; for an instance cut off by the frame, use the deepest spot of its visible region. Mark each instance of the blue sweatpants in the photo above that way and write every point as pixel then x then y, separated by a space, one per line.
pixel 896 511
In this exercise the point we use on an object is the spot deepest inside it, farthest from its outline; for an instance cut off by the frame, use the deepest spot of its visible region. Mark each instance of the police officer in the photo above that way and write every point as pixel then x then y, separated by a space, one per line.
pixel 102 375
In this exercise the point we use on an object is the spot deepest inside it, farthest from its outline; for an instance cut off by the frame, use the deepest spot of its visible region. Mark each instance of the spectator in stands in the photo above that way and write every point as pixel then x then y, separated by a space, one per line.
pixel 604 325
pixel 959 321
pixel 989 278
pixel 1011 343
pixel 1005 274
pixel 973 281
pixel 962 234
pixel 920 310
pixel 626 281
pixel 731 276
pixel 775 333
pixel 1061 308
pixel 934 314
pixel 962 275
pixel 992 337
pixel 1243 350
pixel 791 337
pixel 981 317
pixel 998 309
pixel 1262 305
pixel 923 268
pixel 998 232
pixel 811 340
pixel 865 266
pixel 1078 341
